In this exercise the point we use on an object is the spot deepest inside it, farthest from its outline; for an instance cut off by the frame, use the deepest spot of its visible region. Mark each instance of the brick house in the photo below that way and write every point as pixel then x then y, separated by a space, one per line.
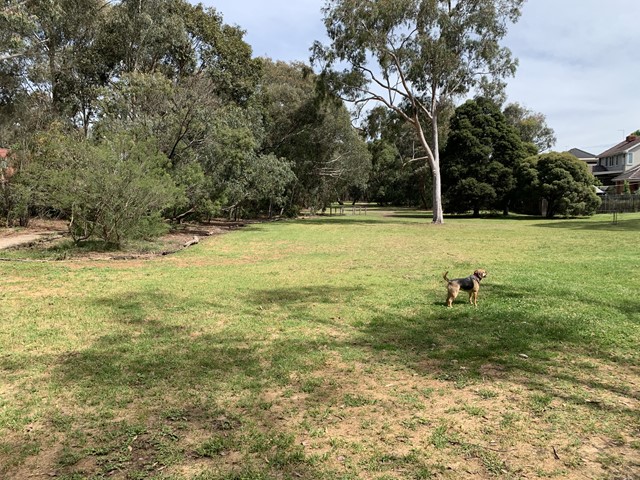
pixel 632 176
pixel 616 164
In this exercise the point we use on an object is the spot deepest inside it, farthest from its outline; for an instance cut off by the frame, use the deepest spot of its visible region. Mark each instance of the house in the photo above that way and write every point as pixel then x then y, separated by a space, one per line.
pixel 631 176
pixel 617 162
pixel 589 158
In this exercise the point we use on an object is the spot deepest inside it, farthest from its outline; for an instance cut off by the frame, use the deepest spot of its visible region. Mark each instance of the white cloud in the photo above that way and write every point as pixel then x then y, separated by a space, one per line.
pixel 577 66
pixel 279 29
pixel 578 59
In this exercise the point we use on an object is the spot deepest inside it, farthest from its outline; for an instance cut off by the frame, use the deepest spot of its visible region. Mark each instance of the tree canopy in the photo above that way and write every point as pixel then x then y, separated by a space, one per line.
pixel 562 181
pixel 413 56
pixel 531 126
pixel 163 105
pixel 165 90
pixel 480 158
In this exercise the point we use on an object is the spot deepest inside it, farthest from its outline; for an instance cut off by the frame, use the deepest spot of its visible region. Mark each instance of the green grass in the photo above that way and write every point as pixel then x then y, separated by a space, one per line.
pixel 321 348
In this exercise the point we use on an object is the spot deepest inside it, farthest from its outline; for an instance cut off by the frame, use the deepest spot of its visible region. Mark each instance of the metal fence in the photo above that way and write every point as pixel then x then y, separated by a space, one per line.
pixel 620 203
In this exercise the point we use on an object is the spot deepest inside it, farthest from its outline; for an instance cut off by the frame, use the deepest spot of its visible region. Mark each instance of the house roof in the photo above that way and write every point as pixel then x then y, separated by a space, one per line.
pixel 599 169
pixel 576 152
pixel 632 174
pixel 623 147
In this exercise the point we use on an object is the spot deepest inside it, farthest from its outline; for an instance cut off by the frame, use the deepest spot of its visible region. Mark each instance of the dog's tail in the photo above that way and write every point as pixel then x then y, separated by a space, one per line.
pixel 444 275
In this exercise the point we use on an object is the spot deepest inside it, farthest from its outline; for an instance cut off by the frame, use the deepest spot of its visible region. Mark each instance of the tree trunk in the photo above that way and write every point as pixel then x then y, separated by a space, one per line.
pixel 438 214
pixel 433 156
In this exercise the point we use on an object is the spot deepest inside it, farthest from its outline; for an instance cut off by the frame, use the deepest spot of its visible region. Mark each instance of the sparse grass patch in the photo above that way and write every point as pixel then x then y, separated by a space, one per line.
pixel 322 349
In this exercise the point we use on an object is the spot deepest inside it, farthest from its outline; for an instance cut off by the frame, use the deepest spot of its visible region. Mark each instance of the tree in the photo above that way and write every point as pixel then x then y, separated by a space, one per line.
pixel 560 179
pixel 395 179
pixel 115 190
pixel 328 156
pixel 531 126
pixel 479 159
pixel 413 55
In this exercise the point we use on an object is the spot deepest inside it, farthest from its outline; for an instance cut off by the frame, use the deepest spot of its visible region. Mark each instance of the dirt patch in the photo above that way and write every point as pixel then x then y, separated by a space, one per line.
pixel 44 234
pixel 39 230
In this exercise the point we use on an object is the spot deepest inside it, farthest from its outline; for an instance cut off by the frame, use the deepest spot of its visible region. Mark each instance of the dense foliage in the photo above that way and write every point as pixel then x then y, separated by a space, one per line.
pixel 124 116
pixel 120 115
pixel 560 182
pixel 480 158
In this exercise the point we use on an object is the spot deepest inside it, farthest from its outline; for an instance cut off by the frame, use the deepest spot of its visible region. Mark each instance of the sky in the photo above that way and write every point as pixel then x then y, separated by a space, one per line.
pixel 578 63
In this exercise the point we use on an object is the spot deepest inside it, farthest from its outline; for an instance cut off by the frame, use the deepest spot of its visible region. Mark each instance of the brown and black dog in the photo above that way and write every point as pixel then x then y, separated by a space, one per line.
pixel 469 284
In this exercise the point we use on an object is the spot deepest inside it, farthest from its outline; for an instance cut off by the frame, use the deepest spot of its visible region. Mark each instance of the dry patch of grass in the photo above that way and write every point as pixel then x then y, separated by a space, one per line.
pixel 322 349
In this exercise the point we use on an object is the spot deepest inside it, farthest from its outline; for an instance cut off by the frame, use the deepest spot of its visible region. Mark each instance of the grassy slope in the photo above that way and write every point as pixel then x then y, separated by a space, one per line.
pixel 322 349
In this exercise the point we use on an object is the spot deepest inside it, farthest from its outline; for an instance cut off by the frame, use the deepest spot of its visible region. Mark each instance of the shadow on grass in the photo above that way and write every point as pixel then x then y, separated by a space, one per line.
pixel 629 225
pixel 176 379
pixel 178 372
pixel 476 339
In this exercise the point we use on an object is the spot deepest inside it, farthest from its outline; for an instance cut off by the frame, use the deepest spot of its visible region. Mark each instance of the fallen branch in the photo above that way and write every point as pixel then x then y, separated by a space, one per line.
pixel 191 242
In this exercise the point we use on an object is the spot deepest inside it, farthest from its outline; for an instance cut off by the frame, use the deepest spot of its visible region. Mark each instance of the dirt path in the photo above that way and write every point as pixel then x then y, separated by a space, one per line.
pixel 21 239
pixel 38 230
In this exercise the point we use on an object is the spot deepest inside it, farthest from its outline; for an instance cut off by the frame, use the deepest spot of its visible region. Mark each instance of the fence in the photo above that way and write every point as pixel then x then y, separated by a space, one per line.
pixel 620 203
pixel 340 209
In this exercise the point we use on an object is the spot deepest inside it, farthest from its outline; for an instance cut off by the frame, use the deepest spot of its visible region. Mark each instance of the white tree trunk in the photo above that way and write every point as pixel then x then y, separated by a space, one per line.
pixel 433 159
pixel 438 216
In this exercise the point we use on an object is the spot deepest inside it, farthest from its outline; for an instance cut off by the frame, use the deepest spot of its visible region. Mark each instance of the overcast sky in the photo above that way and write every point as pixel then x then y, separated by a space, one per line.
pixel 578 59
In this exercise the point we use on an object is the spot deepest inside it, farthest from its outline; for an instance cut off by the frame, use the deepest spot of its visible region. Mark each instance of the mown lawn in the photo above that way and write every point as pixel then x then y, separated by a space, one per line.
pixel 322 349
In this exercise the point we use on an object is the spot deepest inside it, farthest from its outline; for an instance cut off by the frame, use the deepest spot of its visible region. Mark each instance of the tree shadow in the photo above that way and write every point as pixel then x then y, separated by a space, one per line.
pixel 169 373
pixel 190 375
pixel 622 225
pixel 449 338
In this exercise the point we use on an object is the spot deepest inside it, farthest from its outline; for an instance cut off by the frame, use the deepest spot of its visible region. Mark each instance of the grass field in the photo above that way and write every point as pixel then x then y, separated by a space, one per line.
pixel 322 349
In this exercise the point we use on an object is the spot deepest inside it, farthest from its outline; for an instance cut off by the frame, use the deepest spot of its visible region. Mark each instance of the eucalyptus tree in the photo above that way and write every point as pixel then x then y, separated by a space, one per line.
pixel 531 126
pixel 413 55
pixel 314 132
pixel 52 58
pixel 15 27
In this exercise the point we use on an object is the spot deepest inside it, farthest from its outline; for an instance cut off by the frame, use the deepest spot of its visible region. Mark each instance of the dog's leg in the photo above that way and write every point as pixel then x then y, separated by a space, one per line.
pixel 473 298
pixel 452 293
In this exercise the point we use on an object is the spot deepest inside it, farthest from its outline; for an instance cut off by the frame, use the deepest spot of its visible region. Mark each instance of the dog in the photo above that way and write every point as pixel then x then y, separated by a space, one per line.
pixel 469 284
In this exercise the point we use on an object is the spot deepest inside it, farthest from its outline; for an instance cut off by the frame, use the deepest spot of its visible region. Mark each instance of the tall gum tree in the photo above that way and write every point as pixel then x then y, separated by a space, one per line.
pixel 413 56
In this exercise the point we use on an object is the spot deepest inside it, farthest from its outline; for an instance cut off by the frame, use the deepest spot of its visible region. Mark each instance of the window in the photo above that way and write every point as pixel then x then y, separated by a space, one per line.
pixel 629 158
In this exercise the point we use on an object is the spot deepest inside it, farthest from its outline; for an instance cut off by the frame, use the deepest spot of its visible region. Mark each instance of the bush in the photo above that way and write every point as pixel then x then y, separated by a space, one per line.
pixel 562 180
pixel 113 191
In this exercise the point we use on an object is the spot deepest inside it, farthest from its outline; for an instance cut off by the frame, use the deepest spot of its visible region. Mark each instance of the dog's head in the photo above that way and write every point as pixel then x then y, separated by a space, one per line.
pixel 480 273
